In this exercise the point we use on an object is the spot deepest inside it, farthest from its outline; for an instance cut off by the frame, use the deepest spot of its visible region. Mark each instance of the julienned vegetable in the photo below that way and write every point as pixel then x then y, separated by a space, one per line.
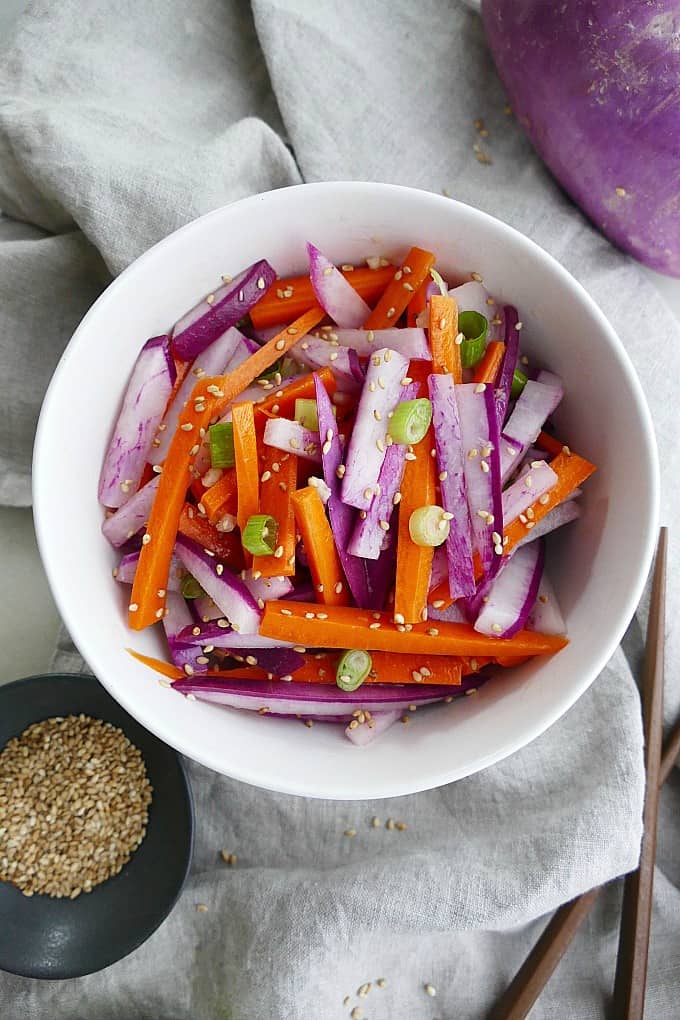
pixel 293 535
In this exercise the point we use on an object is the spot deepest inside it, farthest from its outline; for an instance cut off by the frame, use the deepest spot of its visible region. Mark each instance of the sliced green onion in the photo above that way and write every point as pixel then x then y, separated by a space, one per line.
pixel 429 525
pixel 221 438
pixel 410 421
pixel 259 535
pixel 353 668
pixel 440 283
pixel 190 588
pixel 306 412
pixel 474 328
pixel 519 381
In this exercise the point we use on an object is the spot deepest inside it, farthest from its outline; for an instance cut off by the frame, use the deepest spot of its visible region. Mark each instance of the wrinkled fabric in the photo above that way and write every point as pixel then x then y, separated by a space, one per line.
pixel 119 123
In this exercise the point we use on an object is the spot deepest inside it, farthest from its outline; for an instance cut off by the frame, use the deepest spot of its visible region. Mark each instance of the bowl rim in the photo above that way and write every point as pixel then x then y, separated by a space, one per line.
pixel 534 728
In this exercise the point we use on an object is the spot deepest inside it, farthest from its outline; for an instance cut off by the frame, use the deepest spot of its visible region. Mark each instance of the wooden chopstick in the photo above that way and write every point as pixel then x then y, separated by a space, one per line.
pixel 636 914
pixel 539 965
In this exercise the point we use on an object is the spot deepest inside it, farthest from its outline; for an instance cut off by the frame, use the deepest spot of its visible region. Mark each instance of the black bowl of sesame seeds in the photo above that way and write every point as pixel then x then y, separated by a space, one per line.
pixel 96 828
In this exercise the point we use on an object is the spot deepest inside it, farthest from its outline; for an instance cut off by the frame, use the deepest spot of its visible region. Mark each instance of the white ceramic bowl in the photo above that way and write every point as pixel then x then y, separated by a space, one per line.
pixel 598 565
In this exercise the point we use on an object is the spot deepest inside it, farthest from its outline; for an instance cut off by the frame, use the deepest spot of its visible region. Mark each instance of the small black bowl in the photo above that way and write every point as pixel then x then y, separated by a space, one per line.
pixel 61 938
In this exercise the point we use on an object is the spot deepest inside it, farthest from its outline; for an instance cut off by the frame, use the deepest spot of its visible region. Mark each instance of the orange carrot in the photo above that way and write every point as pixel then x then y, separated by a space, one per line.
pixel 274 308
pixel 400 289
pixel 571 471
pixel 346 627
pixel 247 466
pixel 486 370
pixel 220 498
pixel 548 443
pixel 227 387
pixel 387 668
pixel 279 479
pixel 418 303
pixel 147 474
pixel 414 562
pixel 164 668
pixel 443 330
pixel 181 369
pixel 317 536
pixel 225 544
pixel 151 576
pixel 282 402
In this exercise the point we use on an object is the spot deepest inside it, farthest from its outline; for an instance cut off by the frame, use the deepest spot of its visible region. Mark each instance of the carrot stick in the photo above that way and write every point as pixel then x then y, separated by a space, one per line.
pixel 417 304
pixel 247 466
pixel 151 576
pixel 147 474
pixel 220 498
pixel 414 562
pixel 181 369
pixel 347 627
pixel 279 480
pixel 273 308
pixel 164 668
pixel 486 370
pixel 571 471
pixel 400 289
pixel 317 536
pixel 225 544
pixel 282 402
pixel 548 443
pixel 443 330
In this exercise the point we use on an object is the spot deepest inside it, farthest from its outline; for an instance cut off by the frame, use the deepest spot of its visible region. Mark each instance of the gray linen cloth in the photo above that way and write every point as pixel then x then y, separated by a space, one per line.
pixel 120 122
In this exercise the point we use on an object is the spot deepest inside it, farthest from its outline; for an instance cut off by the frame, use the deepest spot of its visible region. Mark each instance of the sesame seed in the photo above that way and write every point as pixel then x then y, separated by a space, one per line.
pixel 389 824
pixel 439 603
pixel 222 623
pixel 459 338
pixel 401 826
pixel 399 618
pixel 530 525
pixel 530 513
pixel 430 990
pixel 187 427
pixel 409 456
pixel 484 466
pixel 566 451
pixel 477 277
pixel 390 312
pixel 545 498
pixel 408 286
pixel 133 607
pixel 523 518
pixel 417 676
pixel 406 381
pixel 280 344
pixel 496 628
pixel 519 325
pixel 511 450
pixel 350 832
pixel 146 539
pixel 338 587
pixel 357 1012
pixel 433 632
pixel 381 378
pixel 621 192
pixel 333 356
pixel 300 649
pixel 498 549
pixel 283 486
pixel 480 387
pixel 381 983
pixel 528 481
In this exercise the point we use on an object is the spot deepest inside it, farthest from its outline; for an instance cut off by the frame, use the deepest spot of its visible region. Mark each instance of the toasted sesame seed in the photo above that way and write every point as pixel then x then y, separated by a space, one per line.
pixel 477 277
pixel 399 618
pixel 430 990
pixel 409 456
pixel 300 649
pixel 484 466
pixel 409 287
pixel 480 387
pixel 391 312
pixel 496 628
pixel 133 607
pixel 438 603
pixel 381 983
pixel 350 832
pixel 530 525
pixel 186 427
pixel 354 724
pixel 280 344
pixel 406 381
pixel 389 824
pixel 530 513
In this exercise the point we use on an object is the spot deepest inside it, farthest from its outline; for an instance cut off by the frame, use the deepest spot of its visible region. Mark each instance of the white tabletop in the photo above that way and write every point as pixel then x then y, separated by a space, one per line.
pixel 29 620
